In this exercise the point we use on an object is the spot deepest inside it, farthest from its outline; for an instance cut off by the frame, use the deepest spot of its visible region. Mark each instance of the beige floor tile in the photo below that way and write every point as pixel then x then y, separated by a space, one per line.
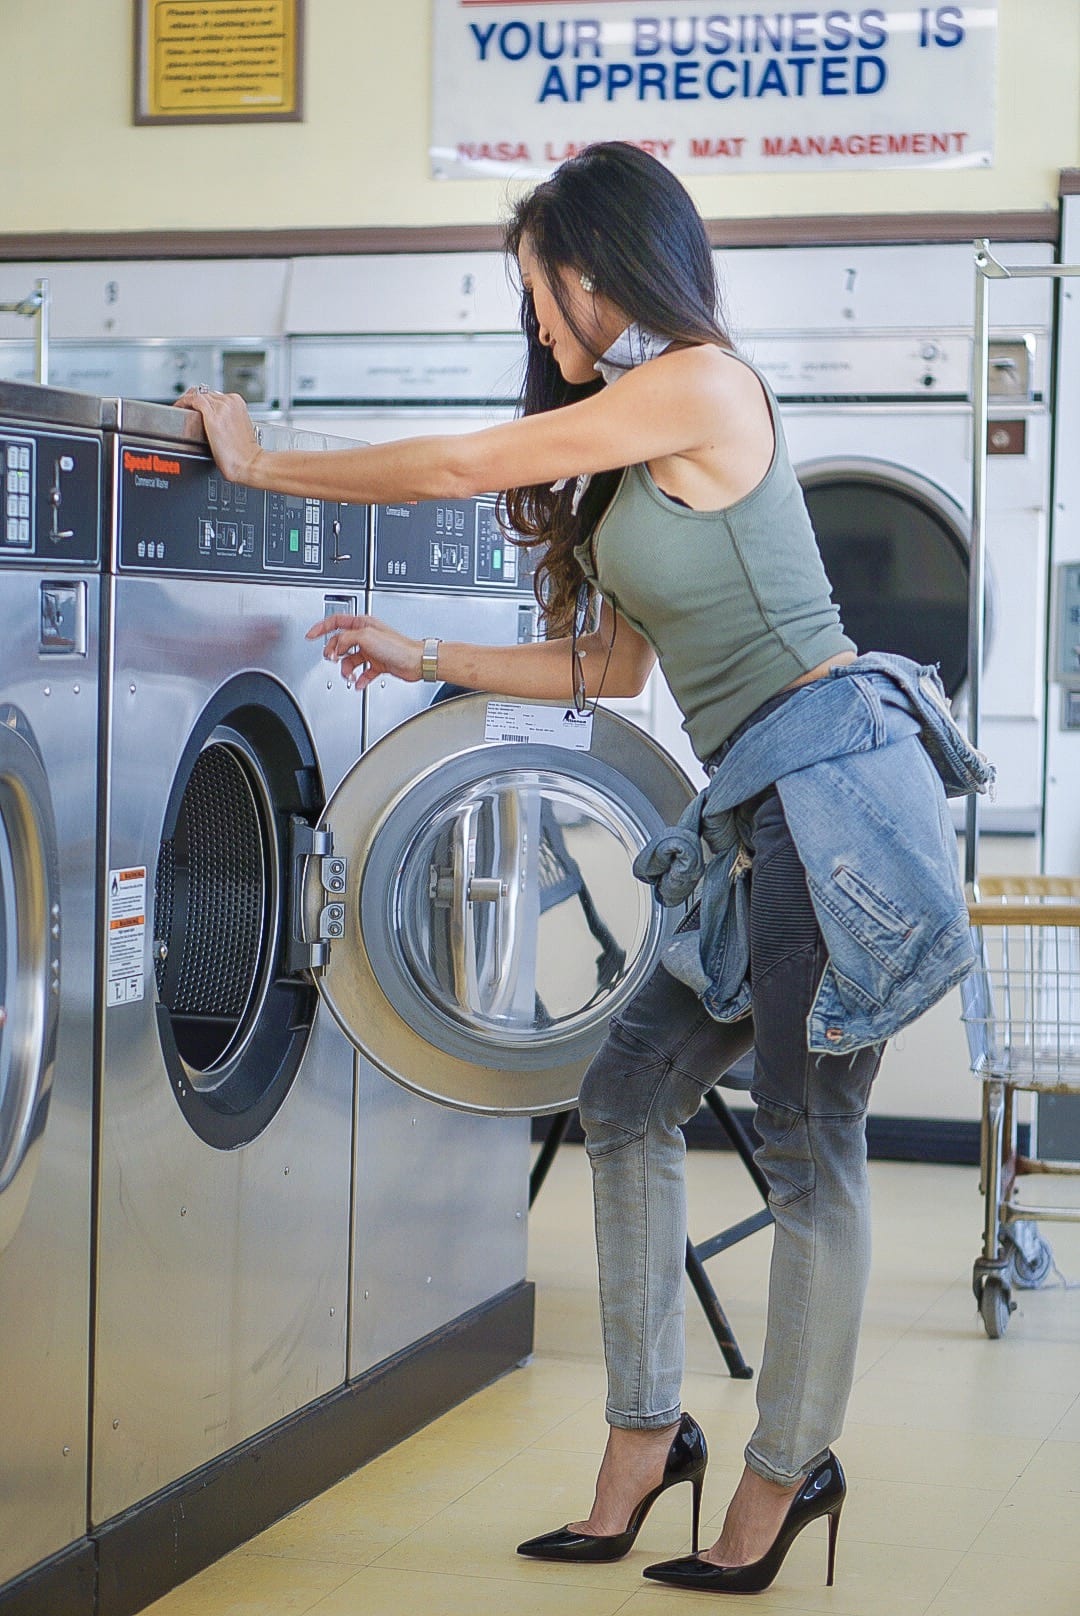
pixel 1068 1427
pixel 252 1585
pixel 878 1400
pixel 984 1372
pixel 1055 1467
pixel 380 1592
pixel 381 1503
pixel 918 1515
pixel 916 1454
pixel 1008 1585
pixel 1035 1526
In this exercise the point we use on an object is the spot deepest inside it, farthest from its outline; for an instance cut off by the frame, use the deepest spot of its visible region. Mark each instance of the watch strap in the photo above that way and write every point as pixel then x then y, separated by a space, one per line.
pixel 429 661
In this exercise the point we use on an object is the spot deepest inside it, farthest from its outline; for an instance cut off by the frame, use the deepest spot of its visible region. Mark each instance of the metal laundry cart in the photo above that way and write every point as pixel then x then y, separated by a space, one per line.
pixel 1022 1014
pixel 1021 1004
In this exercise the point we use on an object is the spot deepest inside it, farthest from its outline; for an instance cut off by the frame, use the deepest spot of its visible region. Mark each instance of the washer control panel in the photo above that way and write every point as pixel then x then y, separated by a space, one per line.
pixel 176 513
pixel 50 485
pixel 452 544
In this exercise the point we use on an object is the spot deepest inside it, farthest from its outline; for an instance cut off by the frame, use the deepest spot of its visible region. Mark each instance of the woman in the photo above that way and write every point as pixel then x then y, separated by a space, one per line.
pixel 650 460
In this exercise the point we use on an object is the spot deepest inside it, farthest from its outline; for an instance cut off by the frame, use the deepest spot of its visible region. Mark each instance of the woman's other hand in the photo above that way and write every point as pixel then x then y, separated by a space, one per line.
pixel 365 648
pixel 230 431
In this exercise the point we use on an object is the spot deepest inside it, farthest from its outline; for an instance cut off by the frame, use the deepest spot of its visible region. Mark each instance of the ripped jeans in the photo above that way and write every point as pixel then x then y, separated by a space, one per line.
pixel 662 1053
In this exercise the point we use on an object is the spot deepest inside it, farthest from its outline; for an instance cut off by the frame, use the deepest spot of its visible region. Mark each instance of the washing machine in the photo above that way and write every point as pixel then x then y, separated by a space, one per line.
pixel 490 926
pixel 226 1098
pixel 869 351
pixel 460 1235
pixel 50 586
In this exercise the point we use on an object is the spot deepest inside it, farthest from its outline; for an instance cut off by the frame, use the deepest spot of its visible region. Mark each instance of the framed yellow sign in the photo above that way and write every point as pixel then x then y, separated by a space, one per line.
pixel 218 61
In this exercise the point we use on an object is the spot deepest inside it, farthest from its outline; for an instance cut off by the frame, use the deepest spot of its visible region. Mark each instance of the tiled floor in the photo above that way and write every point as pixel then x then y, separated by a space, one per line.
pixel 962 1454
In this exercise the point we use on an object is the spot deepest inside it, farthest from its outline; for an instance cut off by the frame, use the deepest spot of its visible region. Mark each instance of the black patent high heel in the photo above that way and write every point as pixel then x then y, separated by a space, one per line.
pixel 822 1493
pixel 686 1461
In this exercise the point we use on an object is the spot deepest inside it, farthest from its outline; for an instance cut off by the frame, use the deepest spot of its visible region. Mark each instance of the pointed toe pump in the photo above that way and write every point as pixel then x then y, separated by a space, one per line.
pixel 686 1461
pixel 822 1493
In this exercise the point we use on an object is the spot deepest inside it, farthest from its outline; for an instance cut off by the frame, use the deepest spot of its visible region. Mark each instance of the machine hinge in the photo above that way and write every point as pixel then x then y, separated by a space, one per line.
pixel 304 953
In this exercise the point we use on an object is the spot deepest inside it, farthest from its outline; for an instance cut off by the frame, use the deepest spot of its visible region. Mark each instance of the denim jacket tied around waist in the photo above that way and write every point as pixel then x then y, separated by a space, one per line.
pixel 863 760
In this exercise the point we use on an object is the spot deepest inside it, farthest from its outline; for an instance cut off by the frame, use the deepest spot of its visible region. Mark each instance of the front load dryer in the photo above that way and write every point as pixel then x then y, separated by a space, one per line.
pixel 869 351
pixel 50 564
pixel 226 1097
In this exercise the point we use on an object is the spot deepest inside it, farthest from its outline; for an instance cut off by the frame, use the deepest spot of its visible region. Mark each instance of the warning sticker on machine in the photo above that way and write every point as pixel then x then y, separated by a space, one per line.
pixel 126 936
pixel 529 721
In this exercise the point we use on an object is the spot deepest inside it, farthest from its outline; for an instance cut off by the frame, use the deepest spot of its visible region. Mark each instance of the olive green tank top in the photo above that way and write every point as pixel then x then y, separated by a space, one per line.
pixel 735 602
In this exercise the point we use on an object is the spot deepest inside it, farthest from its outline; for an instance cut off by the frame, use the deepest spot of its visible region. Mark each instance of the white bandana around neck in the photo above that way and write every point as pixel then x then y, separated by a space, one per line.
pixel 631 347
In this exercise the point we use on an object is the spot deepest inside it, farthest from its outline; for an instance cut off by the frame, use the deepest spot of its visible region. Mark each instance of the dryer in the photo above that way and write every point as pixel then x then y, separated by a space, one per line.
pixel 50 584
pixel 226 1099
pixel 869 351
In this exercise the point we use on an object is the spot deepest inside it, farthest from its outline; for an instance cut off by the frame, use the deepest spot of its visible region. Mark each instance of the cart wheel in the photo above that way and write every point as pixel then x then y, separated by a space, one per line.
pixel 995 1306
pixel 1030 1254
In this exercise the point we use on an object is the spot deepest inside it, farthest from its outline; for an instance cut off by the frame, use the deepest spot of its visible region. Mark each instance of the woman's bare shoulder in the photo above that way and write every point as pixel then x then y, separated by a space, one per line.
pixel 720 378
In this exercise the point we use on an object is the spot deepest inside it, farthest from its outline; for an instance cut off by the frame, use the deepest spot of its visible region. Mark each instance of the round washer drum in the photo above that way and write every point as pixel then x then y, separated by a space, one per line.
pixel 896 550
pixel 233 1022
pixel 29 963
pixel 490 923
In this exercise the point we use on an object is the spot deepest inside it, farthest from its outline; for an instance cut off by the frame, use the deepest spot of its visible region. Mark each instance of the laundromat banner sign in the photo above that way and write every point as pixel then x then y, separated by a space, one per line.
pixel 519 85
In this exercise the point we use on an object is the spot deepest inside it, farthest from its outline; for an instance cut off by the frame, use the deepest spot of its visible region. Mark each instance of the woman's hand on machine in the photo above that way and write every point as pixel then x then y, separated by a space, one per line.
pixel 230 430
pixel 365 648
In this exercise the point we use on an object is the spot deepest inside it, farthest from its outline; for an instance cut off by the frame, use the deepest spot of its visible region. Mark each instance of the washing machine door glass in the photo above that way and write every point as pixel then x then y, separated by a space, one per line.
pixel 233 1020
pixel 895 548
pixel 29 964
pixel 479 912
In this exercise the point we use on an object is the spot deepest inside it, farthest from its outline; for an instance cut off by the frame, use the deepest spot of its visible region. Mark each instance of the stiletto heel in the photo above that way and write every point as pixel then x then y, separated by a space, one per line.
pixel 834 1527
pixel 822 1493
pixel 698 1484
pixel 687 1459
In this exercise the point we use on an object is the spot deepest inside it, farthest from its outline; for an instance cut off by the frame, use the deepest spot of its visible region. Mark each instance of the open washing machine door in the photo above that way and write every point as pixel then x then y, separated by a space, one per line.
pixel 468 903
pixel 29 964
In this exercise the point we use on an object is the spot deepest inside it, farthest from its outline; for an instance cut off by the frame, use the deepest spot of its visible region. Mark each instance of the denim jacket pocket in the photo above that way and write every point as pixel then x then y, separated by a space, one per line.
pixel 871 922
pixel 873 903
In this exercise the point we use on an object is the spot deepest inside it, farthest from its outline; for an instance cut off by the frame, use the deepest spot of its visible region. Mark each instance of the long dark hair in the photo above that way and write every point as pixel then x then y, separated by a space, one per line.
pixel 620 218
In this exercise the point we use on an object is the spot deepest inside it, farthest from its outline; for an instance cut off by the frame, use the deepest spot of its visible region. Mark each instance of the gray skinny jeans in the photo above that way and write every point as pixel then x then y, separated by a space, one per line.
pixel 662 1053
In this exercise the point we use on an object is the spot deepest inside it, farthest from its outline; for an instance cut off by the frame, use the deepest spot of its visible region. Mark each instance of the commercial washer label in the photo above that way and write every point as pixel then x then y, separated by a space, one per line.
pixel 529 721
pixel 126 936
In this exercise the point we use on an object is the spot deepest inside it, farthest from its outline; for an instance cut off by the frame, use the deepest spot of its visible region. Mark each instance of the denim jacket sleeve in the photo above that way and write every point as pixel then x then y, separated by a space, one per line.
pixel 863 761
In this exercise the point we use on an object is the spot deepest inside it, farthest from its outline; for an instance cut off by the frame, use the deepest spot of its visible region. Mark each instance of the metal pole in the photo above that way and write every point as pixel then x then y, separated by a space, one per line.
pixel 980 392
pixel 41 293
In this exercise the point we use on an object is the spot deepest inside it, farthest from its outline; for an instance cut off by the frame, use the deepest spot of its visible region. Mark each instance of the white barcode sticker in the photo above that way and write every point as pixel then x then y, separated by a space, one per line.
pixel 513 721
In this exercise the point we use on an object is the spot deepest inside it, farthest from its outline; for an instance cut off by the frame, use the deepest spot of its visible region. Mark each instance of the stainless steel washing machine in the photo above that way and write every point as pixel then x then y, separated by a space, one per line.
pixel 459 1235
pixel 50 564
pixel 489 927
pixel 226 1098
pixel 497 921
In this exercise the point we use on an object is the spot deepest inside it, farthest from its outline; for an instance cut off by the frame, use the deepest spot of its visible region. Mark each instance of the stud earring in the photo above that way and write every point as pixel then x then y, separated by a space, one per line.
pixel 587 283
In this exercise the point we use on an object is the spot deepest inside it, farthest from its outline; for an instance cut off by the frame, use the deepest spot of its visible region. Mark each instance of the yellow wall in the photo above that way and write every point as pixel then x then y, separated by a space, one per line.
pixel 74 161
